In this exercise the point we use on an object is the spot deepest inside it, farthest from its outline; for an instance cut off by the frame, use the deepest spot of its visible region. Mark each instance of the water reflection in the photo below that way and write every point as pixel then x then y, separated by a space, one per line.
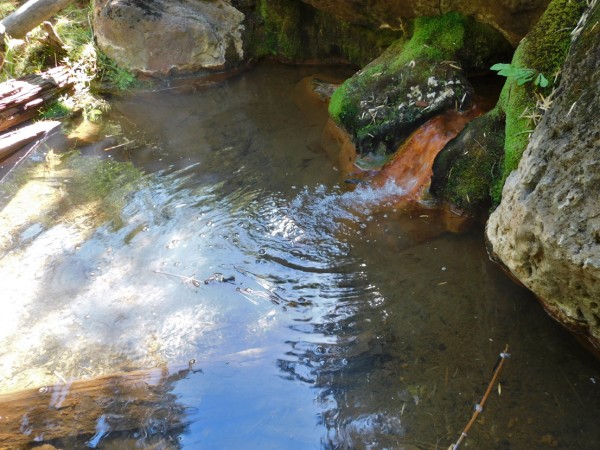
pixel 319 317
pixel 140 405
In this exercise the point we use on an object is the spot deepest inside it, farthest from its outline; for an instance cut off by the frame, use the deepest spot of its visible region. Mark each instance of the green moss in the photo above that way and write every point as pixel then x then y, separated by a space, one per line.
pixel 546 46
pixel 282 28
pixel 297 32
pixel 544 49
pixel 56 110
pixel 464 172
pixel 337 105
pixel 434 38
pixel 343 106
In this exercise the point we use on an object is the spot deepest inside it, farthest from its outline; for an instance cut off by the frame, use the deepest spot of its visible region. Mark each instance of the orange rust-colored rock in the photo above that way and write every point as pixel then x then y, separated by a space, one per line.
pixel 339 147
pixel 410 167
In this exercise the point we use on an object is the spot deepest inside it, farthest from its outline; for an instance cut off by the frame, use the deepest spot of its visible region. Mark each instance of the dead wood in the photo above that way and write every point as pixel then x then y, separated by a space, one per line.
pixel 21 99
pixel 114 403
pixel 30 15
pixel 17 139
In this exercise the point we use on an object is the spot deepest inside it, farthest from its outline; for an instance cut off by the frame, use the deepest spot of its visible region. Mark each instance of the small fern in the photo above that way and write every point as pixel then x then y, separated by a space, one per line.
pixel 521 75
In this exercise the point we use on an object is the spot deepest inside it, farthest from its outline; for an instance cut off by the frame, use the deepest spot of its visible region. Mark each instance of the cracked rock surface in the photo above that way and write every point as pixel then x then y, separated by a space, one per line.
pixel 546 230
pixel 159 38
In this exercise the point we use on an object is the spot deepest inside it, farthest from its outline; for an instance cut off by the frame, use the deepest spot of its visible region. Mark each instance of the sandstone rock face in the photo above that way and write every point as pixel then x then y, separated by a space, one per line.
pixel 512 17
pixel 546 230
pixel 162 37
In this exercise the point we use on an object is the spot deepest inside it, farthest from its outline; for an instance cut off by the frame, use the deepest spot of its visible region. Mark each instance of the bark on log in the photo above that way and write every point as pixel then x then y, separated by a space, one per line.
pixel 15 140
pixel 30 15
pixel 92 408
pixel 2 45
pixel 21 99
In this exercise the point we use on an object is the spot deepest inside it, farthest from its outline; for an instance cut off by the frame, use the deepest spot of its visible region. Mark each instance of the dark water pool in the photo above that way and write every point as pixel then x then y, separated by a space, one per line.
pixel 282 310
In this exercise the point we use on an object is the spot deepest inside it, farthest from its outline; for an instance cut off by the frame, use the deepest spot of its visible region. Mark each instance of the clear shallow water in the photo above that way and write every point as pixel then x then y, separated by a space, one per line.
pixel 347 324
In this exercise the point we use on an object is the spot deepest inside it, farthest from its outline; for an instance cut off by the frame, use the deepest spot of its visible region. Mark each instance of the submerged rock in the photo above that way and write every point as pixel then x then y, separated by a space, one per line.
pixel 159 38
pixel 546 230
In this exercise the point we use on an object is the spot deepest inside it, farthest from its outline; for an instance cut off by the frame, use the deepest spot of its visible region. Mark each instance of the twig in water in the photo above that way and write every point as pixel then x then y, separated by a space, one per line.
pixel 479 406
pixel 186 280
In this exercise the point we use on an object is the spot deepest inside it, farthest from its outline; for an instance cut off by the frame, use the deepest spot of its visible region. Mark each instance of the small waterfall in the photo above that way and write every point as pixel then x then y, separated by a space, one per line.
pixel 411 166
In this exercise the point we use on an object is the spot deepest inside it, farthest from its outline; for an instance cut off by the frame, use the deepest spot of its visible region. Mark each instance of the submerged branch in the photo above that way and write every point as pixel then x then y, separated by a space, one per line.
pixel 479 406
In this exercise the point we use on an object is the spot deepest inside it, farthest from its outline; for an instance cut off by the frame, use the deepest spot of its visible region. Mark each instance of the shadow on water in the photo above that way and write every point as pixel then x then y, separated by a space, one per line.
pixel 283 310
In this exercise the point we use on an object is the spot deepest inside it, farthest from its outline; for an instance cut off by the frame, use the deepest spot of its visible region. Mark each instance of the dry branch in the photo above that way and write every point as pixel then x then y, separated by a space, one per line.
pixel 30 15
pixel 479 406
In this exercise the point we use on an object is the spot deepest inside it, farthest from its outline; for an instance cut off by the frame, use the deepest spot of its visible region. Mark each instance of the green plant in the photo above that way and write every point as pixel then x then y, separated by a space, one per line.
pixel 56 110
pixel 110 72
pixel 521 75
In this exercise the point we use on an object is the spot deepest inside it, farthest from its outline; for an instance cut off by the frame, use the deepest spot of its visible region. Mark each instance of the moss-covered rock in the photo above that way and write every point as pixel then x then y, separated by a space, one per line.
pixel 546 230
pixel 296 32
pixel 467 172
pixel 415 79
pixel 513 18
pixel 464 172
pixel 543 50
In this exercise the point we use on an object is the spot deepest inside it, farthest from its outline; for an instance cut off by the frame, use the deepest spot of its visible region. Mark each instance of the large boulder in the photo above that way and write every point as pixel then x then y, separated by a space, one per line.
pixel 414 80
pixel 470 171
pixel 160 37
pixel 546 230
pixel 511 17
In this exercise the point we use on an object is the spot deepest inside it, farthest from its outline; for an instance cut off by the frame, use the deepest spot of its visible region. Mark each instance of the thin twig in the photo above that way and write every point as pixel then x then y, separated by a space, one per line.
pixel 186 280
pixel 479 406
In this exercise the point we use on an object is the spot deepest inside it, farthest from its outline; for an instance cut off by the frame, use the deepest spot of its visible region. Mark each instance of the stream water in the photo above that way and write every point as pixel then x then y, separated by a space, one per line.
pixel 285 310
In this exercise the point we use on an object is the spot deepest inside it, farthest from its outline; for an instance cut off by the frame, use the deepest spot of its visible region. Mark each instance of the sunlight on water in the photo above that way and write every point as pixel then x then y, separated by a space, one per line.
pixel 237 294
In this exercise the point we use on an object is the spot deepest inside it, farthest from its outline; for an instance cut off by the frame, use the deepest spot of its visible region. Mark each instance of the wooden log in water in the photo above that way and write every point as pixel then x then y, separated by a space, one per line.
pixel 92 408
pixel 21 99
pixel 17 139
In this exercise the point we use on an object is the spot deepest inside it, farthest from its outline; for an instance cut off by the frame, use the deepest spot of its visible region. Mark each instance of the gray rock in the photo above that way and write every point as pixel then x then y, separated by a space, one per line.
pixel 512 18
pixel 546 230
pixel 160 37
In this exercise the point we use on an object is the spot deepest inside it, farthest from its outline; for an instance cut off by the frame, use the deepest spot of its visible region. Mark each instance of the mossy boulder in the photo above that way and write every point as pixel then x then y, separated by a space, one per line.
pixel 544 51
pixel 293 31
pixel 546 230
pixel 469 178
pixel 415 79
pixel 463 173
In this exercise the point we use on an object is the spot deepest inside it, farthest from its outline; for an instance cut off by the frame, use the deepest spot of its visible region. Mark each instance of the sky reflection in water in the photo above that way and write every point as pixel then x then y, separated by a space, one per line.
pixel 347 324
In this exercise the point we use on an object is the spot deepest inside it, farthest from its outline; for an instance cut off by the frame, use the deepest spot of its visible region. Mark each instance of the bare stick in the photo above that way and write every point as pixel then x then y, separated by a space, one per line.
pixel 479 406
pixel 31 14
pixel 186 280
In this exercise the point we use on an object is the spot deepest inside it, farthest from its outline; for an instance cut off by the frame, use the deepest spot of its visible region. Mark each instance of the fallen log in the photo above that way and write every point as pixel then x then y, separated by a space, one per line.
pixel 22 98
pixel 30 15
pixel 92 408
pixel 17 139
